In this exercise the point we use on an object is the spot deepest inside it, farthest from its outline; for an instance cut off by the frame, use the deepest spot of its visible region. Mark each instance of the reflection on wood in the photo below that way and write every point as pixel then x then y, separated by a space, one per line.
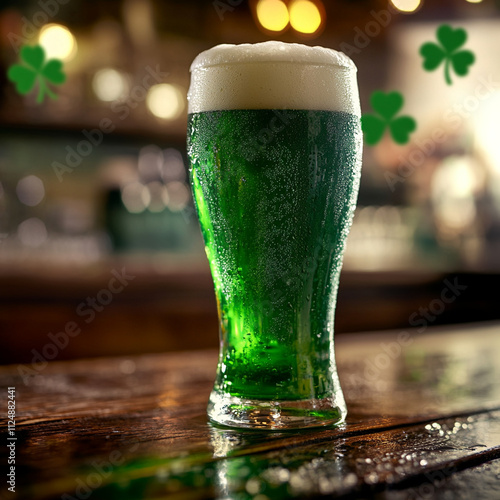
pixel 424 420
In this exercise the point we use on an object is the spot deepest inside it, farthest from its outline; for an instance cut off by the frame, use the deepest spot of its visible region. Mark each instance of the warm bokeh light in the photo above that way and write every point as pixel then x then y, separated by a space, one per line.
pixel 406 5
pixel 58 42
pixel 173 166
pixel 305 16
pixel 159 196
pixel 178 196
pixel 109 84
pixel 272 14
pixel 136 197
pixel 452 193
pixel 150 163
pixel 165 101
pixel 485 126
pixel 474 1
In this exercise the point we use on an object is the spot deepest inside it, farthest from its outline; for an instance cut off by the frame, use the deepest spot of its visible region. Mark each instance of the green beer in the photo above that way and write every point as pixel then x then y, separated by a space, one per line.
pixel 275 190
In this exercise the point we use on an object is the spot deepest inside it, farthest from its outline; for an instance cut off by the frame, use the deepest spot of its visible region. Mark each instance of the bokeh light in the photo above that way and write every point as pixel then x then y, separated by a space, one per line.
pixel 109 84
pixel 485 125
pixel 32 232
pixel 150 163
pixel 58 42
pixel 406 5
pixel 173 166
pixel 30 190
pixel 159 196
pixel 165 101
pixel 305 16
pixel 136 197
pixel 452 192
pixel 178 196
pixel 272 14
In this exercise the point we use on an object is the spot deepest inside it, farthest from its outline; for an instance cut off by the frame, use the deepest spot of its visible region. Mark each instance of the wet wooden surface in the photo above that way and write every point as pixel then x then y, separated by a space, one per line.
pixel 423 422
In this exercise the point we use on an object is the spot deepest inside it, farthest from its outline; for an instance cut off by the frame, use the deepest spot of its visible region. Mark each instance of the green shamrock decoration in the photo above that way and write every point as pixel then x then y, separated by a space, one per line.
pixel 33 68
pixel 450 40
pixel 387 106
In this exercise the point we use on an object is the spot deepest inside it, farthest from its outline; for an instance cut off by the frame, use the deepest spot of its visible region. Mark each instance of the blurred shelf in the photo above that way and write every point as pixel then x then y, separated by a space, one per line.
pixel 137 131
pixel 171 300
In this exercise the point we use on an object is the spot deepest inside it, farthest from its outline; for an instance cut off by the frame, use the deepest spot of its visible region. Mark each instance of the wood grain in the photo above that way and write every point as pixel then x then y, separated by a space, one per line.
pixel 424 408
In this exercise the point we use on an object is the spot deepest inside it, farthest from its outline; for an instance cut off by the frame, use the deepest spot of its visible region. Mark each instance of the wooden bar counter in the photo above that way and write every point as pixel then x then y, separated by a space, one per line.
pixel 423 423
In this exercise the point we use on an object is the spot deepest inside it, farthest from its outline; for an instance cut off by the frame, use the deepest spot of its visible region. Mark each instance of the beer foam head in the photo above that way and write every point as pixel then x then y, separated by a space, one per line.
pixel 273 75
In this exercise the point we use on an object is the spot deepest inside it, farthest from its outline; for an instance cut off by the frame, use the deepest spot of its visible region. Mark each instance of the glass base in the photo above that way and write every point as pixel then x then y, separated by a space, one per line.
pixel 275 415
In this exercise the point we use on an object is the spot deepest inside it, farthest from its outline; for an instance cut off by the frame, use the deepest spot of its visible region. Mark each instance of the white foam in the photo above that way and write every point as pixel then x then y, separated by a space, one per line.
pixel 273 75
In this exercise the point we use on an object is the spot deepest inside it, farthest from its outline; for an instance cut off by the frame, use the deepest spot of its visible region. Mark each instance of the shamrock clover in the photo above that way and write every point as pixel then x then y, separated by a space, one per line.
pixel 33 68
pixel 450 39
pixel 387 106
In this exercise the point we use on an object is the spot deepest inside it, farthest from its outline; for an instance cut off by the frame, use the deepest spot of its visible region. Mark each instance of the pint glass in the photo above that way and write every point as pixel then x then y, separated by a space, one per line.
pixel 274 143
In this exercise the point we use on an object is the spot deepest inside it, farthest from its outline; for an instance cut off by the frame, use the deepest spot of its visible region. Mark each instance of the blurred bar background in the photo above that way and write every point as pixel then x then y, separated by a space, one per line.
pixel 94 185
